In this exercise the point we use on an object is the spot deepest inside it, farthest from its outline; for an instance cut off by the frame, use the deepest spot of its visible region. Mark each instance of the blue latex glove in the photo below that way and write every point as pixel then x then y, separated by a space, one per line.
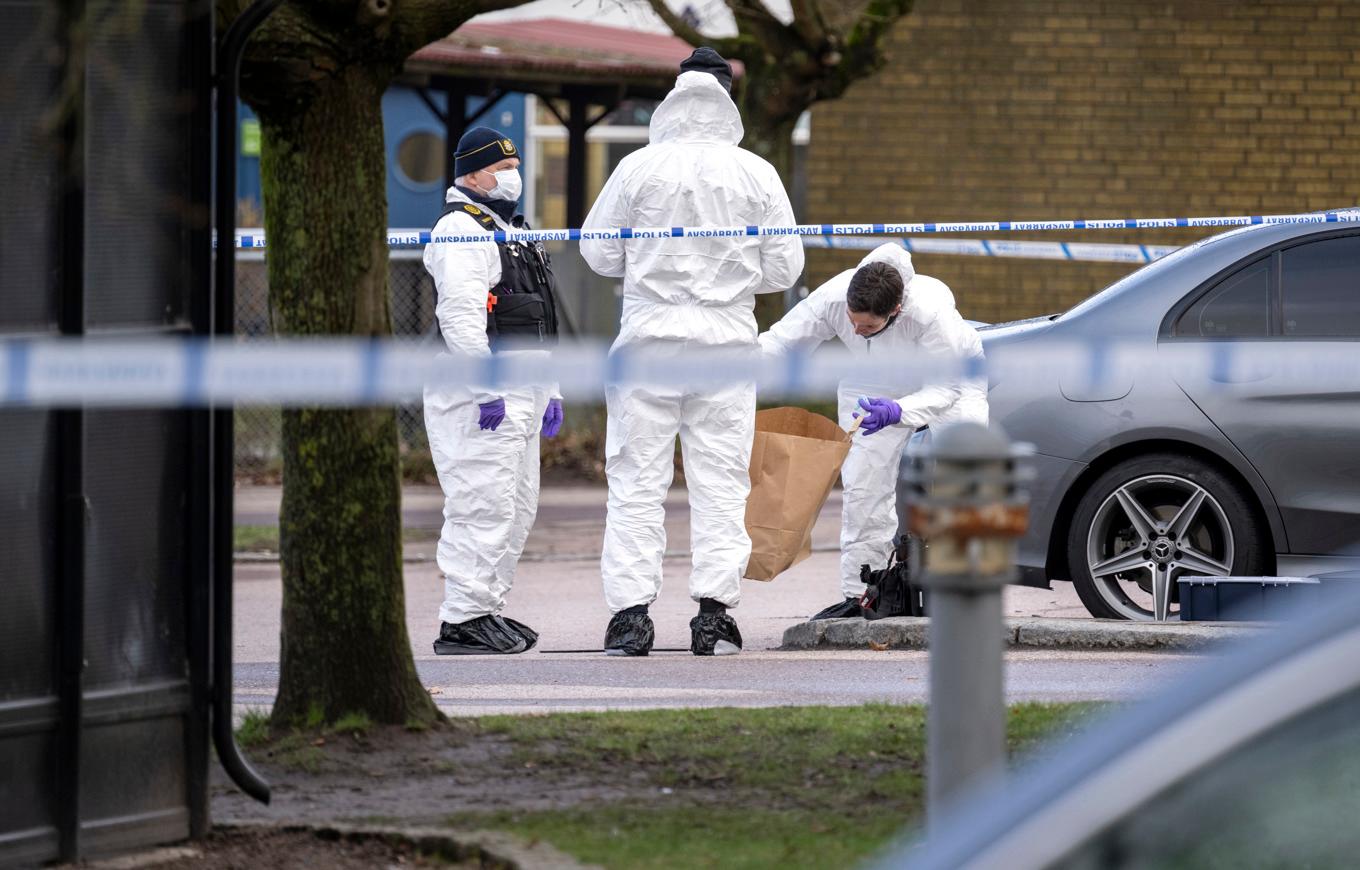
pixel 879 413
pixel 552 419
pixel 492 413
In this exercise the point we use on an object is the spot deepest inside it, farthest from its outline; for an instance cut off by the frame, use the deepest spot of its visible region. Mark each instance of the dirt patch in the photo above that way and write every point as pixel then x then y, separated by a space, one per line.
pixel 246 849
pixel 390 775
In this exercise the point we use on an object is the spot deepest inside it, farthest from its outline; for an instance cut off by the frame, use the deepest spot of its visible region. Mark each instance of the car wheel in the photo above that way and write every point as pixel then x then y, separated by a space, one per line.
pixel 1153 519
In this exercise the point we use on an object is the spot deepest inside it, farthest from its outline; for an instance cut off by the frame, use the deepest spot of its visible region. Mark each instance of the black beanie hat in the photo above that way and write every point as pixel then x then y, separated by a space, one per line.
pixel 479 148
pixel 705 59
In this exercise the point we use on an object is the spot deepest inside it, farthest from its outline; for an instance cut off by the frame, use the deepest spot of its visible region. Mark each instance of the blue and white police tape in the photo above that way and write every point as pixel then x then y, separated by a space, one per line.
pixel 336 373
pixel 1075 251
pixel 418 237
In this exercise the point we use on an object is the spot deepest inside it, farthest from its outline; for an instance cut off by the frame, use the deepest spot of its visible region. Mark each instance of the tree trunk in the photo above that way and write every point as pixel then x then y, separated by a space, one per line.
pixel 770 136
pixel 344 640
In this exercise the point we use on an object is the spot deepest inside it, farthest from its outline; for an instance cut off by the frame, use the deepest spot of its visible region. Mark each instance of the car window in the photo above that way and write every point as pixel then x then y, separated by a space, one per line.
pixel 1320 288
pixel 1289 799
pixel 1155 268
pixel 1236 307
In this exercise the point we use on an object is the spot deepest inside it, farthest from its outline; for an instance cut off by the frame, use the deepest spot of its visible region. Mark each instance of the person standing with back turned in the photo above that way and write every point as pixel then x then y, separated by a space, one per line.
pixel 685 296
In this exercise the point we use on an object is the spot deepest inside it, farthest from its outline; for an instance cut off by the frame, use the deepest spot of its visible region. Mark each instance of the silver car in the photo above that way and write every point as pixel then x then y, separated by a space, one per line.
pixel 1199 417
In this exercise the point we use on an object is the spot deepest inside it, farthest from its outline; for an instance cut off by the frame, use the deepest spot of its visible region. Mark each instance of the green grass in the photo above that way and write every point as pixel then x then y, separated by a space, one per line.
pixel 787 787
pixel 256 539
pixel 253 730
pixel 299 751
pixel 265 539
pixel 355 724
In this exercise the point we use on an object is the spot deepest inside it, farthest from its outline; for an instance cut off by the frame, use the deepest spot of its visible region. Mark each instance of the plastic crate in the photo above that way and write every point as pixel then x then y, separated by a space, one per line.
pixel 1222 599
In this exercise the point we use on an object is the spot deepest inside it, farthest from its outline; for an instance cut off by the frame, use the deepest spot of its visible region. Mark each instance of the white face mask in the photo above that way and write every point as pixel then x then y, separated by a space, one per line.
pixel 508 185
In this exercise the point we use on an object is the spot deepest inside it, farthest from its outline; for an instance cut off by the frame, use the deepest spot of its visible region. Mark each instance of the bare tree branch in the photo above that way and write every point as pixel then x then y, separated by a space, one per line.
pixel 682 29
pixel 809 24
pixel 862 45
pixel 755 10
pixel 678 25
pixel 754 20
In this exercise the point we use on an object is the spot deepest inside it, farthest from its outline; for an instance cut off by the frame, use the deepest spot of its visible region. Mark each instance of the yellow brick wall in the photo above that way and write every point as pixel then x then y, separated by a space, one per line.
pixel 1023 109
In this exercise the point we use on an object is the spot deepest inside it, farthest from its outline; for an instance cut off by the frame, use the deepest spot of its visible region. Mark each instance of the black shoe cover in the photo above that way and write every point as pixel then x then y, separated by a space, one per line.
pixel 485 635
pixel 847 609
pixel 630 633
pixel 713 632
pixel 530 636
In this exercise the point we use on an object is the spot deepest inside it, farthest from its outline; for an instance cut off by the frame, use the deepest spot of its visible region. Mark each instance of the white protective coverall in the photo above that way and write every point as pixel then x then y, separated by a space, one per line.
pixel 489 478
pixel 929 323
pixel 680 297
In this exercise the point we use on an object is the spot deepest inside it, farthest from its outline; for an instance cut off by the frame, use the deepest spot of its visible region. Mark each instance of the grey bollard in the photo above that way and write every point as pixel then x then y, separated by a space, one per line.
pixel 963 495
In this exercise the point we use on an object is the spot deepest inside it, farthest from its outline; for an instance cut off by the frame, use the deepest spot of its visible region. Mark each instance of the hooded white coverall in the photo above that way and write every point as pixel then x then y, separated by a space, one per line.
pixel 489 478
pixel 928 323
pixel 680 297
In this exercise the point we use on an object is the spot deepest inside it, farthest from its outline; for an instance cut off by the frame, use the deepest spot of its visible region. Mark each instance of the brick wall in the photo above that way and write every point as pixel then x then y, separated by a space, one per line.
pixel 1001 109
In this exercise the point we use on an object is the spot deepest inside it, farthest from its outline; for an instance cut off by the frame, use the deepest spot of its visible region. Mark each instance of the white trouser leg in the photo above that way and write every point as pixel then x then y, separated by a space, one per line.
pixel 526 498
pixel 639 463
pixel 869 495
pixel 716 432
pixel 481 473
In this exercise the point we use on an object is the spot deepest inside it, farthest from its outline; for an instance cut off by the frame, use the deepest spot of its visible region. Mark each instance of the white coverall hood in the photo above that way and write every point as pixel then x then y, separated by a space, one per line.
pixel 928 323
pixel 897 256
pixel 698 109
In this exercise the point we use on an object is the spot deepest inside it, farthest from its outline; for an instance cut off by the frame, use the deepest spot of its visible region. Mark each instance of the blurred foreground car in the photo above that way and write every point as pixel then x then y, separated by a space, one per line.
pixel 1251 760
pixel 1205 422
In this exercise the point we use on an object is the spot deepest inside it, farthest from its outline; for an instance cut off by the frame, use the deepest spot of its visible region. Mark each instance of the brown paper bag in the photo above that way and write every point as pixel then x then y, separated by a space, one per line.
pixel 794 463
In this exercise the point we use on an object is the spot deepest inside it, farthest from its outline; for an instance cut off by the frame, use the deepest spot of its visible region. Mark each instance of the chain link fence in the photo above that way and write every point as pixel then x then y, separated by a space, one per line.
pixel 259 429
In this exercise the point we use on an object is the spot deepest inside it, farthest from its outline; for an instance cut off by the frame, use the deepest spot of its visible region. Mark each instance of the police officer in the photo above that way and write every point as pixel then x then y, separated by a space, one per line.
pixel 492 298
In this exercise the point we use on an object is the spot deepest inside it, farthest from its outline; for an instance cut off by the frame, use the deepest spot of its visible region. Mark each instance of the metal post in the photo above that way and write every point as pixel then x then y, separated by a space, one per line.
pixel 223 435
pixel 72 506
pixel 577 127
pixel 964 498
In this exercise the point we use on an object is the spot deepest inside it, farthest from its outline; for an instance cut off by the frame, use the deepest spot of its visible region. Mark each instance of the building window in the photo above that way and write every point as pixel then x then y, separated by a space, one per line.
pixel 420 160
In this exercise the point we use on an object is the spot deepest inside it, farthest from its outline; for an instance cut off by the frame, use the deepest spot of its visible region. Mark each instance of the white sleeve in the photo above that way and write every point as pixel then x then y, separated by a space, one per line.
pixel 803 328
pixel 781 257
pixel 610 211
pixel 949 337
pixel 463 276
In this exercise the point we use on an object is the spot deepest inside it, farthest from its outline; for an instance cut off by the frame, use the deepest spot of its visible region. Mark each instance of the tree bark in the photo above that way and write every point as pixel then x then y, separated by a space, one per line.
pixel 345 647
pixel 315 73
pixel 769 129
pixel 789 67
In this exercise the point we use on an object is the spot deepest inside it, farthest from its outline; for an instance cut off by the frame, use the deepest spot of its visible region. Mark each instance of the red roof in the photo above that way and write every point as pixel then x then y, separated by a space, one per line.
pixel 592 52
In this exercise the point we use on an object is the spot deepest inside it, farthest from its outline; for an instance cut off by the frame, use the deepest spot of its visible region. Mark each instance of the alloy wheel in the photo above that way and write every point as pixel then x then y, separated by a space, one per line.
pixel 1149 532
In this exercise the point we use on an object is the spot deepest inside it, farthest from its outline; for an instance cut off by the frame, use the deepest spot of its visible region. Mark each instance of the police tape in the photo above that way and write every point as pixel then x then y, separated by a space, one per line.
pixel 1075 251
pixel 253 238
pixel 350 373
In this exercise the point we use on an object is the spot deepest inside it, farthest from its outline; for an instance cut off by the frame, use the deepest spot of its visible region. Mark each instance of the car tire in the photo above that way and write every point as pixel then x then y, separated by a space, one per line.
pixel 1126 568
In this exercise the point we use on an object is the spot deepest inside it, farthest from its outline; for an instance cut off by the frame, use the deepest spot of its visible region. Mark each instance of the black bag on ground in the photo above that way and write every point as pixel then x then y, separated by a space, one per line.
pixel 890 591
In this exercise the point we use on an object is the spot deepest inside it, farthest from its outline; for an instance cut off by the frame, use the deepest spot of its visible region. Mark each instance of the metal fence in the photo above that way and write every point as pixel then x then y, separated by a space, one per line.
pixel 259 428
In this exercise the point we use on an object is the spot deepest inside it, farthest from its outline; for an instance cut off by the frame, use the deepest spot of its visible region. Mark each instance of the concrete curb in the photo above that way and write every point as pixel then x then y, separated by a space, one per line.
pixel 910 632
pixel 494 849
pixel 248 557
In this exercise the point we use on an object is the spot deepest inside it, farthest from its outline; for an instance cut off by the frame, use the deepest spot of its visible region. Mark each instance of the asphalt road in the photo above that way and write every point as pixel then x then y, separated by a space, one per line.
pixel 558 593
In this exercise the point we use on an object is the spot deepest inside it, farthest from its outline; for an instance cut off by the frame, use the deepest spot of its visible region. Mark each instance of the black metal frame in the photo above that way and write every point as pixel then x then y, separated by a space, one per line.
pixel 228 75
pixel 199 594
pixel 70 433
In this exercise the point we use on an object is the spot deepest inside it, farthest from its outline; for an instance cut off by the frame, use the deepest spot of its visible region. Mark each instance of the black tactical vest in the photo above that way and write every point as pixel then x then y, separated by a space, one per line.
pixel 522 307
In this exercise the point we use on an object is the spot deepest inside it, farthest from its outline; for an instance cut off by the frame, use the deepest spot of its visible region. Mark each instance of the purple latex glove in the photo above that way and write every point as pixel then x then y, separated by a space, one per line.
pixel 878 413
pixel 492 413
pixel 552 418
